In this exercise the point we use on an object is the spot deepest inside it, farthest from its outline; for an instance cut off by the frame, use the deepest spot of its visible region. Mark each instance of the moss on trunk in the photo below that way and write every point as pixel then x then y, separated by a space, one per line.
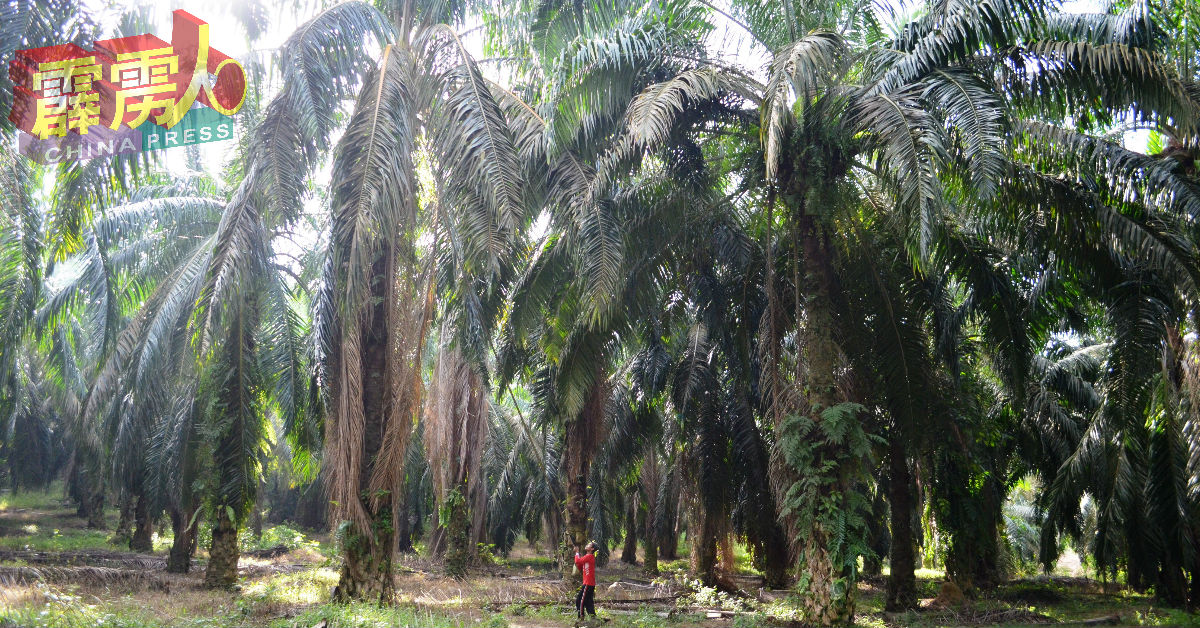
pixel 221 572
pixel 826 591
pixel 456 522
pixel 366 573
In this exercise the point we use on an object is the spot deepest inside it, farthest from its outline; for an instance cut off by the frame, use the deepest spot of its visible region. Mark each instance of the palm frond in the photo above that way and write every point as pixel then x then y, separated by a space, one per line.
pixel 976 114
pixel 797 73
pixel 909 150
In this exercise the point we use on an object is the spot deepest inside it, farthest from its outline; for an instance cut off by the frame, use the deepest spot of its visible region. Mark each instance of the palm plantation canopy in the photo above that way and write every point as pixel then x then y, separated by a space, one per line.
pixel 897 284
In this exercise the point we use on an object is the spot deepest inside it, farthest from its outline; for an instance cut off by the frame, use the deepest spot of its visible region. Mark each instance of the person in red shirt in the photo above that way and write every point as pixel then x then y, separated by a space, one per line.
pixel 585 600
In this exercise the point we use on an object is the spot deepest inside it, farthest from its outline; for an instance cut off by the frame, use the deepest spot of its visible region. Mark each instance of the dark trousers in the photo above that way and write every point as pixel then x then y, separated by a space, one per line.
pixel 585 600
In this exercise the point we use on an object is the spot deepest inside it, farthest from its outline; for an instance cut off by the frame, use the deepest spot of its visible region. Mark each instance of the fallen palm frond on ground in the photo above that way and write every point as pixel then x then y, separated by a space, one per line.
pixel 86 575
pixel 92 558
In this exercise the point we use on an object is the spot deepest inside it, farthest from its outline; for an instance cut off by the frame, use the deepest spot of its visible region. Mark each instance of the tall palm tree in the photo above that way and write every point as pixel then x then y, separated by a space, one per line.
pixel 584 286
pixel 154 250
pixel 21 250
pixel 377 304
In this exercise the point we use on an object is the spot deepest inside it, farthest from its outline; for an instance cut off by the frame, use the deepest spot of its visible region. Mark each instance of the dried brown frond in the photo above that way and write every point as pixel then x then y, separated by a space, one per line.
pixel 456 432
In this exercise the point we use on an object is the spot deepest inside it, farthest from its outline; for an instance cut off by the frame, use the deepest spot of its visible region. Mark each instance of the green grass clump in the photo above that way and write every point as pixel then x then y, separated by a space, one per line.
pixel 65 610
pixel 311 586
pixel 533 562
pixel 679 564
pixel 1168 617
pixel 44 539
pixel 646 618
pixel 31 500
pixel 275 536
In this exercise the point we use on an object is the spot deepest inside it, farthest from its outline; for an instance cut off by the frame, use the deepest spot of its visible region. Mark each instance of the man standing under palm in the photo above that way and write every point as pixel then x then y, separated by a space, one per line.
pixel 585 599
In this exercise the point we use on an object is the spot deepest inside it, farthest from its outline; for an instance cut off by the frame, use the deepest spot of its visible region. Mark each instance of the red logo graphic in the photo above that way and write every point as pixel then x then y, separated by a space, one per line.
pixel 123 82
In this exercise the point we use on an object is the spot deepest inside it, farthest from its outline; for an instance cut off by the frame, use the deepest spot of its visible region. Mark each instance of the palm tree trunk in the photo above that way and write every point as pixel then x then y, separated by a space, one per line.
pixel 183 546
pixel 829 596
pixel 649 543
pixel 256 514
pixel 221 572
pixel 879 539
pixel 437 541
pixel 1134 578
pixel 311 510
pixel 1172 588
pixel 457 527
pixel 629 551
pixel 668 544
pixel 650 485
pixel 668 539
pixel 366 572
pixel 577 462
pixel 773 560
pixel 552 525
pixel 902 583
pixel 703 533
pixel 579 449
pixel 75 489
pixel 93 505
pixel 142 540
pixel 973 559
pixel 124 532
pixel 403 525
pixel 185 513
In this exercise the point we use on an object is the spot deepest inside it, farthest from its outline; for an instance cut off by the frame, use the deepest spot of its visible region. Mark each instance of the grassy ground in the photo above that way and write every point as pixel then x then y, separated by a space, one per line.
pixel 56 573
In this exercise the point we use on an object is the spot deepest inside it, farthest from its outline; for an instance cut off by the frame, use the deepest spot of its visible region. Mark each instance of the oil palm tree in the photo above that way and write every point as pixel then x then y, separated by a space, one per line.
pixel 522 468
pixel 21 249
pixel 424 91
pixel 583 286
pixel 1120 435
pixel 140 276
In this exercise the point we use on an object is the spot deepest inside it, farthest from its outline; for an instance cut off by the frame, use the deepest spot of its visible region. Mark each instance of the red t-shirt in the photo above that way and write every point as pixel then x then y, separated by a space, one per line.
pixel 587 564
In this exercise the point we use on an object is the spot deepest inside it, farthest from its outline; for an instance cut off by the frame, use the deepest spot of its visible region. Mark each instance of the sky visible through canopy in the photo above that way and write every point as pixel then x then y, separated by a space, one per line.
pixel 229 34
